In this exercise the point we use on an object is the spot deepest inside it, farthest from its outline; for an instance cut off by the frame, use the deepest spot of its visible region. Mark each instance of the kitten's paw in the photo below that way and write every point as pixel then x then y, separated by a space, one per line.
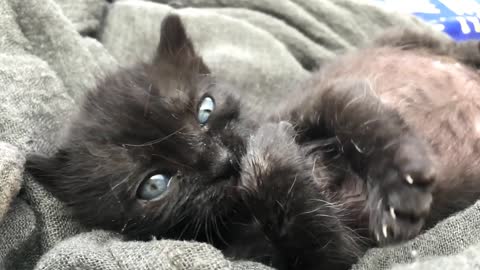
pixel 400 191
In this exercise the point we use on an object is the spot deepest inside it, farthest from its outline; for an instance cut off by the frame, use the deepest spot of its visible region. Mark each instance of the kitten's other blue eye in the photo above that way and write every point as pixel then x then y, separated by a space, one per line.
pixel 206 108
pixel 153 187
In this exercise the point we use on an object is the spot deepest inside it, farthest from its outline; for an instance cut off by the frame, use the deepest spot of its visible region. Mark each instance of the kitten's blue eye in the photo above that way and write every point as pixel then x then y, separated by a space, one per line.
pixel 153 187
pixel 206 108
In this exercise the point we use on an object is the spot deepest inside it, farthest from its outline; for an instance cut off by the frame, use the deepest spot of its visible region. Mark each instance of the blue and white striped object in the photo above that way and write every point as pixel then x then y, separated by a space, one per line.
pixel 458 18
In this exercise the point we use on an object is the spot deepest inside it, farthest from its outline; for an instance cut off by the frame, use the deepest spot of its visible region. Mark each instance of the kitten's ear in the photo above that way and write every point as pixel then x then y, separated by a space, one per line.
pixel 173 38
pixel 175 46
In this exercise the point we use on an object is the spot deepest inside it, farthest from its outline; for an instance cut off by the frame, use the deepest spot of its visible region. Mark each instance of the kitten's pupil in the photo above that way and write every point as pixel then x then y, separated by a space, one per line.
pixel 153 187
pixel 207 106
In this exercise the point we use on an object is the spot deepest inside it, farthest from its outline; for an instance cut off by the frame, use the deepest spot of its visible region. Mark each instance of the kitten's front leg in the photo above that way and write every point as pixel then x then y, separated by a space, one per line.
pixel 380 147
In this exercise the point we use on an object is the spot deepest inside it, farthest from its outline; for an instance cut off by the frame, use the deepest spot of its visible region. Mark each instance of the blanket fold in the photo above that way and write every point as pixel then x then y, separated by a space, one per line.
pixel 48 60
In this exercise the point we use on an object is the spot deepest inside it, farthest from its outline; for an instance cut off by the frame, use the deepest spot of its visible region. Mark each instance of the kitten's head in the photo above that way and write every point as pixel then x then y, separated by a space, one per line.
pixel 154 149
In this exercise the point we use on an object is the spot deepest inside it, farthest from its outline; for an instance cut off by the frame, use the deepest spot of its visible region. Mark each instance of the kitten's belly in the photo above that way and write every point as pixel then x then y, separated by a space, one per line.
pixel 437 96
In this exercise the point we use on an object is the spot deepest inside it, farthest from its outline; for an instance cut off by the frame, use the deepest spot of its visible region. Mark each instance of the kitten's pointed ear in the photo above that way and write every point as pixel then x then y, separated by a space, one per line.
pixel 173 38
pixel 176 47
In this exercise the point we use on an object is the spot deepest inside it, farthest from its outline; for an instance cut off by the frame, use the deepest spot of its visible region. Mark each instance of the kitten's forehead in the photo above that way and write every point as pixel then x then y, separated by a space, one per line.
pixel 178 101
pixel 179 94
pixel 138 108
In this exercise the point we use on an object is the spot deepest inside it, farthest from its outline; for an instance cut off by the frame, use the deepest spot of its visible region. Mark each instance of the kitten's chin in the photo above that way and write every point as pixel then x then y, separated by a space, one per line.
pixel 233 180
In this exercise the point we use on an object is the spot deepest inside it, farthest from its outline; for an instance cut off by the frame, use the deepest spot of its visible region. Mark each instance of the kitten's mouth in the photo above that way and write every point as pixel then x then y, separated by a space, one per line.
pixel 232 175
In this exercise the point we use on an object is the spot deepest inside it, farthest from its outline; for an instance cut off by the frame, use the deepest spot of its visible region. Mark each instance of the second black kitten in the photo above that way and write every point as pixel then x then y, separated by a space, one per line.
pixel 167 150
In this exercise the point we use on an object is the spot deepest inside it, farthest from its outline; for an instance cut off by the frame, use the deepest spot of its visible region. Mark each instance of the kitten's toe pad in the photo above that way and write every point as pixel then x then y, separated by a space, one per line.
pixel 400 193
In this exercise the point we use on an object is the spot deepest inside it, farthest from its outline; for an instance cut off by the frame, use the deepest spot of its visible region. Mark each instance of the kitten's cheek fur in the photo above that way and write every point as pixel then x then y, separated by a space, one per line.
pixel 260 157
pixel 270 184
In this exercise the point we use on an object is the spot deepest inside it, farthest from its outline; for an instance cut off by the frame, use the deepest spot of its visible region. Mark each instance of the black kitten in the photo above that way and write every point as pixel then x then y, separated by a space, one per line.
pixel 394 132
pixel 165 149
pixel 155 149
pixel 386 143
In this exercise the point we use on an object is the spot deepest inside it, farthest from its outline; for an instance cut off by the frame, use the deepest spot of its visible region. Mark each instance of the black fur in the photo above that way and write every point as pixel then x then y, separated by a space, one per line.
pixel 143 120
pixel 308 187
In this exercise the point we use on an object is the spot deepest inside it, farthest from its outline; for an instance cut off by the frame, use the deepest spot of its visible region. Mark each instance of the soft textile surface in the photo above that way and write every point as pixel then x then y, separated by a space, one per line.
pixel 47 63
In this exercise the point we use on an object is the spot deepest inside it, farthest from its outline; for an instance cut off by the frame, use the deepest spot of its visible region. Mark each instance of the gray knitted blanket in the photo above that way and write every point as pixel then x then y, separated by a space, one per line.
pixel 48 61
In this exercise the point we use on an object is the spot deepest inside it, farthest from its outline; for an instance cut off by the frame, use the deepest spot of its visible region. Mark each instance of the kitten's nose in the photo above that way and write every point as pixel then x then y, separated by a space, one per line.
pixel 224 167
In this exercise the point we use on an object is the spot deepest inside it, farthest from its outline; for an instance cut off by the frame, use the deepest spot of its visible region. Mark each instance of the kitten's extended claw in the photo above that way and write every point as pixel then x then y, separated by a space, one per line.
pixel 379 205
pixel 409 179
pixel 385 230
pixel 392 213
